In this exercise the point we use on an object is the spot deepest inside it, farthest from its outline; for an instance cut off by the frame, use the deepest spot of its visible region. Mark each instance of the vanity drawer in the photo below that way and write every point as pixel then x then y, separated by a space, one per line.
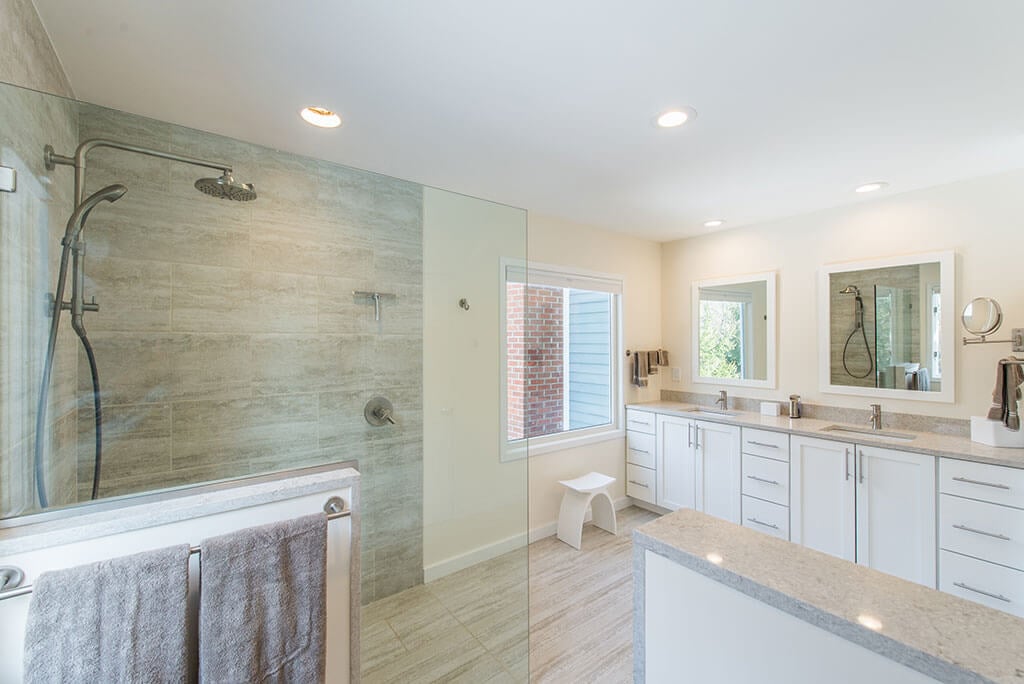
pixel 983 530
pixel 985 583
pixel 767 517
pixel 640 448
pixel 640 483
pixel 641 421
pixel 766 443
pixel 982 481
pixel 766 479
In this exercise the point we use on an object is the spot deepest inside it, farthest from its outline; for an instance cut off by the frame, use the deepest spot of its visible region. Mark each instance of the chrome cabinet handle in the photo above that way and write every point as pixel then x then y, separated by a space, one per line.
pixel 994 535
pixel 763 444
pixel 696 439
pixel 760 522
pixel 979 482
pixel 639 484
pixel 689 434
pixel 999 597
pixel 847 463
pixel 642 451
pixel 761 479
pixel 860 465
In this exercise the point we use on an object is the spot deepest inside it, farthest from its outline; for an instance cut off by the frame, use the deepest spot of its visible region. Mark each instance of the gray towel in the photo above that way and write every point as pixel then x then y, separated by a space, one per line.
pixel 261 606
pixel 118 620
pixel 662 357
pixel 1006 394
pixel 640 367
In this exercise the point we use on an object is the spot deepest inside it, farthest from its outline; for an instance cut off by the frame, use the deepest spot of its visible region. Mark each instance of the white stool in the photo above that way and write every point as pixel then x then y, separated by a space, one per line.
pixel 589 490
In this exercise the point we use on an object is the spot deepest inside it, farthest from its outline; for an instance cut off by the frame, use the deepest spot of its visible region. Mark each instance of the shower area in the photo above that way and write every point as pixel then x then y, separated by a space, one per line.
pixel 163 324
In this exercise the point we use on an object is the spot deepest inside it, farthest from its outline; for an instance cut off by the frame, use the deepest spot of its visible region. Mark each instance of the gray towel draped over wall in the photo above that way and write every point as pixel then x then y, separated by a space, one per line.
pixel 117 620
pixel 646 363
pixel 262 614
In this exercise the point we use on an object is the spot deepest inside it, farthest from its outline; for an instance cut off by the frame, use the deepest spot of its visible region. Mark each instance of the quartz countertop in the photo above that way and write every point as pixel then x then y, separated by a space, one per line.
pixel 924 442
pixel 147 510
pixel 940 635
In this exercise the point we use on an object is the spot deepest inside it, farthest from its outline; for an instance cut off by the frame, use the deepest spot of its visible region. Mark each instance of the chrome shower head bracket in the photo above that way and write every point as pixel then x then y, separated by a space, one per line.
pixel 51 158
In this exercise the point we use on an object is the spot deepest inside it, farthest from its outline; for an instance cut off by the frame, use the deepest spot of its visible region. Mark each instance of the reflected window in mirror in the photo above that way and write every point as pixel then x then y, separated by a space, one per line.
pixel 734 330
pixel 887 327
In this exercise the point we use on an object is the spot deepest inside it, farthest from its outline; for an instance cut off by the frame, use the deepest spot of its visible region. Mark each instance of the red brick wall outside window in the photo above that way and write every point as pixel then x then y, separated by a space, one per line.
pixel 535 341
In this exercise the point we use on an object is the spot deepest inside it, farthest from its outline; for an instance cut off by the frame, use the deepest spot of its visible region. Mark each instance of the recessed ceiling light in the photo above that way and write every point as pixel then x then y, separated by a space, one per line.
pixel 871 187
pixel 676 117
pixel 714 223
pixel 318 116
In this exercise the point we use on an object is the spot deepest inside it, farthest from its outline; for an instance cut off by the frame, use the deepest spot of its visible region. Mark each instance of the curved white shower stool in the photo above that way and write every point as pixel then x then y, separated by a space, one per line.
pixel 589 490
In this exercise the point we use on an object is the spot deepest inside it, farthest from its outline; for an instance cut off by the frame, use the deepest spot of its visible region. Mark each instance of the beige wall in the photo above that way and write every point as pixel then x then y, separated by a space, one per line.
pixel 979 219
pixel 474 505
pixel 559 242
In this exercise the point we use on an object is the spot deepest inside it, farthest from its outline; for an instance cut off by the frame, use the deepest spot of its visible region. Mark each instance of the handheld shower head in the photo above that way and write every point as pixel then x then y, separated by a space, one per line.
pixel 226 187
pixel 76 223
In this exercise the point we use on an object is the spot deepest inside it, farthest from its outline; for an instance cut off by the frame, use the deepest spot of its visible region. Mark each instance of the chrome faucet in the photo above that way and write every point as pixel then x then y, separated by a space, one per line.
pixel 723 399
pixel 876 417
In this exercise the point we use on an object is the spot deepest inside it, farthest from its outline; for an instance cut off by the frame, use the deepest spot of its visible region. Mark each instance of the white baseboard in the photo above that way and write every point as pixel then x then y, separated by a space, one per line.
pixel 477 555
pixel 551 528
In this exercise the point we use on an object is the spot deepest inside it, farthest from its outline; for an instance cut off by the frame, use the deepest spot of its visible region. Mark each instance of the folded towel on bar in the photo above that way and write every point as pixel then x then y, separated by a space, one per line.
pixel 640 367
pixel 1009 376
pixel 117 620
pixel 652 362
pixel 261 603
pixel 662 357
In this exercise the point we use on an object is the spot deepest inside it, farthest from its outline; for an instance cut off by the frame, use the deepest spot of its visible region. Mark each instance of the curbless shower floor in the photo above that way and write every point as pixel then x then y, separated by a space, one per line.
pixel 471 626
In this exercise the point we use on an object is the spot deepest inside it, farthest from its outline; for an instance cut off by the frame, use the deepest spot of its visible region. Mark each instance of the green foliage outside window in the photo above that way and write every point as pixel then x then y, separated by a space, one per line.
pixel 721 339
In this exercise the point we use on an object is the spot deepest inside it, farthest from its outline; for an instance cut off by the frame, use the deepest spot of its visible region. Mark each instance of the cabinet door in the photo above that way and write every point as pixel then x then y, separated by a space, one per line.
pixel 822 506
pixel 676 463
pixel 719 462
pixel 896 513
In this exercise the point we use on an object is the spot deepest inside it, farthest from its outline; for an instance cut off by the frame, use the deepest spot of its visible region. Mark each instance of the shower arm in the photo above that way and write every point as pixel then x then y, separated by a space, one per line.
pixel 52 159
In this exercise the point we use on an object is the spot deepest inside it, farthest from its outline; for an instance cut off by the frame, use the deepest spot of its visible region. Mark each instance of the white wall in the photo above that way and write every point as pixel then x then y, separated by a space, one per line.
pixel 556 241
pixel 980 219
pixel 474 506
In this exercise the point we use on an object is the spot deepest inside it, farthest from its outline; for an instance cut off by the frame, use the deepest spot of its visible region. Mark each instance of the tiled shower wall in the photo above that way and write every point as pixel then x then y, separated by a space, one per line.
pixel 228 338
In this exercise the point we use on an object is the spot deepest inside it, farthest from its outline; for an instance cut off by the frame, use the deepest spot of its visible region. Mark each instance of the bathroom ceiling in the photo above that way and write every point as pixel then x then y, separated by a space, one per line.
pixel 551 105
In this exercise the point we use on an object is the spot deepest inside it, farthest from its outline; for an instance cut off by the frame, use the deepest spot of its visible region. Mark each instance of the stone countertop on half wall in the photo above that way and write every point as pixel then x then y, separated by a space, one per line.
pixel 123 514
pixel 923 443
pixel 942 636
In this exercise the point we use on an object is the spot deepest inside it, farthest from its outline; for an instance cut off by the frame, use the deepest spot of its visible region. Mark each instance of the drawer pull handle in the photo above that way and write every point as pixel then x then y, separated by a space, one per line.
pixel 999 597
pixel 994 535
pixel 979 482
pixel 642 451
pixel 639 422
pixel 759 522
pixel 764 444
pixel 761 479
pixel 639 484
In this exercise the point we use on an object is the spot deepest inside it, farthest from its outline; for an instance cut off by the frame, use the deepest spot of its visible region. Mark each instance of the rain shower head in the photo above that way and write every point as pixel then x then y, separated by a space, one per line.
pixel 850 289
pixel 226 187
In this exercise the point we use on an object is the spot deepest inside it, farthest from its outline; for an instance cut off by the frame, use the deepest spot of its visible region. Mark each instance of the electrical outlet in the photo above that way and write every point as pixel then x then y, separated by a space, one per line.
pixel 677 374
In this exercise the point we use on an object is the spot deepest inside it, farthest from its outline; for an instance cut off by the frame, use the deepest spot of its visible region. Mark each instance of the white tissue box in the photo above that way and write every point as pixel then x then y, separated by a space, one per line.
pixel 994 433
pixel 771 408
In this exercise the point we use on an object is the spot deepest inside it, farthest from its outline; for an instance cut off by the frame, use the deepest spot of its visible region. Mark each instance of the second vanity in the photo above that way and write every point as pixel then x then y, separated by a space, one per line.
pixel 939 510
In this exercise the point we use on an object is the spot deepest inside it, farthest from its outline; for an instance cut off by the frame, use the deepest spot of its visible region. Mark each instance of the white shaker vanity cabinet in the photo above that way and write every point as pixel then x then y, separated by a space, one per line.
pixel 719 459
pixel 677 463
pixel 765 481
pixel 868 504
pixel 641 456
pixel 981 533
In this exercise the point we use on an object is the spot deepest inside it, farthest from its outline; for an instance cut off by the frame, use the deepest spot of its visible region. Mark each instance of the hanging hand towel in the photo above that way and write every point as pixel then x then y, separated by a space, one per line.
pixel 117 620
pixel 261 605
pixel 1006 394
pixel 640 367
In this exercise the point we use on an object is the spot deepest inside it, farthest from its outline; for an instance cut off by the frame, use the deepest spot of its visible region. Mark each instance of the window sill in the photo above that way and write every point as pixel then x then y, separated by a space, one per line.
pixel 535 447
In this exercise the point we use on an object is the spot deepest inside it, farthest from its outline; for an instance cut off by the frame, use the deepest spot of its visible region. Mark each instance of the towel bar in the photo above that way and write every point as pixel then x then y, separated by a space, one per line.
pixel 193 550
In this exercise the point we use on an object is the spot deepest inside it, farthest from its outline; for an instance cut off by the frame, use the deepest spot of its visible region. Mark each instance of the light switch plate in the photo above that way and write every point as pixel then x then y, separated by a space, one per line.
pixel 1017 339
pixel 677 374
pixel 8 179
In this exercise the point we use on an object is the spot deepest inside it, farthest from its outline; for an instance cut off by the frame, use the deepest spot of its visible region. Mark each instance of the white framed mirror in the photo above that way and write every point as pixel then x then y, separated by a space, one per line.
pixel 734 330
pixel 886 327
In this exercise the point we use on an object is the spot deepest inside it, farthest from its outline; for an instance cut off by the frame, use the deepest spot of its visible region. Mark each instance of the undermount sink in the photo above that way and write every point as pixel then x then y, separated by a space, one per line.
pixel 714 412
pixel 880 434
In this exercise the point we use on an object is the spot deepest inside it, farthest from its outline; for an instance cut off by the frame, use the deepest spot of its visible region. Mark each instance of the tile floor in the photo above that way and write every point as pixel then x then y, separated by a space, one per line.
pixel 473 626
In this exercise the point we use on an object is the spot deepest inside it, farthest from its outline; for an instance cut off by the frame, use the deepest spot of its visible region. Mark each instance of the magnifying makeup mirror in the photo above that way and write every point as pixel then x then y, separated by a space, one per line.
pixel 982 316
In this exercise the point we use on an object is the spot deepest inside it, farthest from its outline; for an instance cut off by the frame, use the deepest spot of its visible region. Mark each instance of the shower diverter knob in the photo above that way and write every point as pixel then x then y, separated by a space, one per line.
pixel 378 411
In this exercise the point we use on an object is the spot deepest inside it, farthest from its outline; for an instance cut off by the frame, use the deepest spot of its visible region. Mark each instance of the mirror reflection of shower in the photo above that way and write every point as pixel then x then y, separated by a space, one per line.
pixel 858 326
pixel 73 250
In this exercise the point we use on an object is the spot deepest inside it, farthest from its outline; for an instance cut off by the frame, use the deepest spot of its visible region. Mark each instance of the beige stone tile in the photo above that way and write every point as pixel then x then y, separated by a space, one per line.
pixel 211 366
pixel 379 645
pixel 421 619
pixel 448 656
pixel 345 195
pixel 136 442
pixel 309 363
pixel 133 295
pixel 134 367
pixel 308 245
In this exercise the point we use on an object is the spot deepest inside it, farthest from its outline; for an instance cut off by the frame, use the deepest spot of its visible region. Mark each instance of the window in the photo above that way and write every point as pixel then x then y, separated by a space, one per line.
pixel 561 357
pixel 725 333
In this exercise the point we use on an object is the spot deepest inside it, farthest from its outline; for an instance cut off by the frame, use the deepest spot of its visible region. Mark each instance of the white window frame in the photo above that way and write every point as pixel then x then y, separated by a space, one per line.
pixel 534 273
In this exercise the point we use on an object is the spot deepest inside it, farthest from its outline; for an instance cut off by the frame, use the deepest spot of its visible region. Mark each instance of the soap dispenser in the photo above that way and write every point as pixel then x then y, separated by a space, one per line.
pixel 794 405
